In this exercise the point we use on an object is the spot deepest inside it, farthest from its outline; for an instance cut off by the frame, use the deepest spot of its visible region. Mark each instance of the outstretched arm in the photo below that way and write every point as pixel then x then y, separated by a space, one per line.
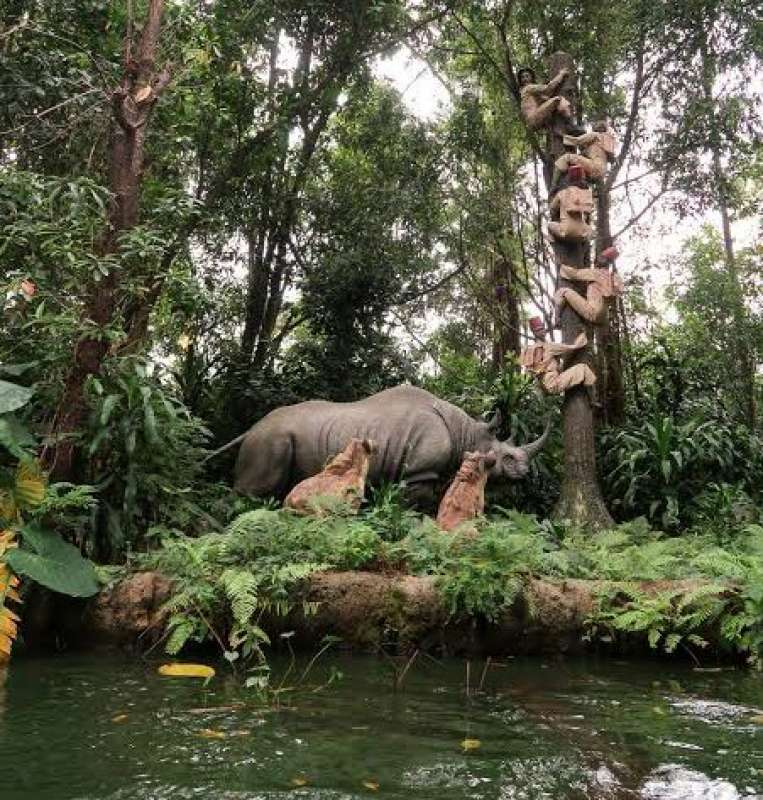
pixel 555 82
pixel 558 349
pixel 581 141
pixel 578 273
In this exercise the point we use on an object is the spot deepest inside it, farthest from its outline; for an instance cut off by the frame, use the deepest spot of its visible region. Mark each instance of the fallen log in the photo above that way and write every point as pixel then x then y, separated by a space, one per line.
pixel 367 610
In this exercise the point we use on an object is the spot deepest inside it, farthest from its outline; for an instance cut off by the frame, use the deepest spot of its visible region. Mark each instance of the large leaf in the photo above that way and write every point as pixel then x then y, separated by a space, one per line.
pixel 17 369
pixel 14 437
pixel 54 563
pixel 13 396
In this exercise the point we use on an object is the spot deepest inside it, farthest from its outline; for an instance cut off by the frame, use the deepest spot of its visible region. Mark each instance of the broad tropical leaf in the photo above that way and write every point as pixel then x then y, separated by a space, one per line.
pixel 54 563
pixel 13 396
pixel 14 437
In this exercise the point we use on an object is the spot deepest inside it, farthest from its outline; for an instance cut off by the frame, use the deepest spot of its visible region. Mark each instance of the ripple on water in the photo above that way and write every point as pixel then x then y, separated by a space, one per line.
pixel 442 775
pixel 97 729
pixel 675 782
pixel 543 778
pixel 174 792
pixel 713 710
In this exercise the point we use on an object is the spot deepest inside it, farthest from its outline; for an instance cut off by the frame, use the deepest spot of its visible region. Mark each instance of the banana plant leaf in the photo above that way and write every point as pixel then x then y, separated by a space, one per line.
pixel 52 562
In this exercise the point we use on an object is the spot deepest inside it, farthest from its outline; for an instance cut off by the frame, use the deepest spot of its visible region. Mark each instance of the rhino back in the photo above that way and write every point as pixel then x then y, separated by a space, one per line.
pixel 410 435
pixel 414 431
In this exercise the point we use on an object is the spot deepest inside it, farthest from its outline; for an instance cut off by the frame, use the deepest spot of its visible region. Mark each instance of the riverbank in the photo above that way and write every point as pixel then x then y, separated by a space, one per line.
pixel 367 611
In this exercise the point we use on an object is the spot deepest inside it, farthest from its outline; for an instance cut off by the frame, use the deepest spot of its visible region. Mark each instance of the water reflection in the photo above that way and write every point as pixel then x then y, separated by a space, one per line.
pixel 103 728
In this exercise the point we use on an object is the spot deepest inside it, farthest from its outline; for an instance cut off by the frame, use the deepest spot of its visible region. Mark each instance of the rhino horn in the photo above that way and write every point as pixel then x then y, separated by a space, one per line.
pixel 533 448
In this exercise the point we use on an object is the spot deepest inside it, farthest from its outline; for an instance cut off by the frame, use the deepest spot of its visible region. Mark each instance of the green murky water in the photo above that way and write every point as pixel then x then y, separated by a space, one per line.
pixel 93 727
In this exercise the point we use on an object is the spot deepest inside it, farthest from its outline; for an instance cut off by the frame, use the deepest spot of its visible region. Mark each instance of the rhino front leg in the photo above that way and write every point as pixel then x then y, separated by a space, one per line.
pixel 420 490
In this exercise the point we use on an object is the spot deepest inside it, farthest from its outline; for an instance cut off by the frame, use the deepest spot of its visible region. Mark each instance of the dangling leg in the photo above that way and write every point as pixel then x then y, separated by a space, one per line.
pixel 574 376
pixel 590 308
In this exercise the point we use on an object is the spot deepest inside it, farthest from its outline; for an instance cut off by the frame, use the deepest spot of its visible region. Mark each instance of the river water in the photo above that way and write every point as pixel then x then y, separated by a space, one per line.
pixel 109 728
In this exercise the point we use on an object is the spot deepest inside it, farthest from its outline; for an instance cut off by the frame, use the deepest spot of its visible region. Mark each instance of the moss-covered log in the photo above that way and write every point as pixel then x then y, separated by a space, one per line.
pixel 367 610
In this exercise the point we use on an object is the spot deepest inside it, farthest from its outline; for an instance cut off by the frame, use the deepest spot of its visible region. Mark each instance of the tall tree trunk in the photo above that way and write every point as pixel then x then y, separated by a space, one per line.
pixel 743 355
pixel 506 321
pixel 260 241
pixel 132 102
pixel 581 500
pixel 610 387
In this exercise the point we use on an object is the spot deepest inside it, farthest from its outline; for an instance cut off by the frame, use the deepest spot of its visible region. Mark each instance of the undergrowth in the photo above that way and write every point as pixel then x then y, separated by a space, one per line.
pixel 225 582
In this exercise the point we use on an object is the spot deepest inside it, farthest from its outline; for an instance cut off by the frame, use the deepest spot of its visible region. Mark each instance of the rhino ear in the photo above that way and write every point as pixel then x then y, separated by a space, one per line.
pixel 494 422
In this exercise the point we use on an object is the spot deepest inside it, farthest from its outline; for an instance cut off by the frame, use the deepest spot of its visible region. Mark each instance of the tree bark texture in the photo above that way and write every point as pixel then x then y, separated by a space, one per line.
pixel 580 500
pixel 610 388
pixel 132 102
pixel 506 326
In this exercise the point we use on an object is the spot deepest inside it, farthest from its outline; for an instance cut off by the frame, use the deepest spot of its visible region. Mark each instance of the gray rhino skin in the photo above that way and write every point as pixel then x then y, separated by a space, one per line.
pixel 420 440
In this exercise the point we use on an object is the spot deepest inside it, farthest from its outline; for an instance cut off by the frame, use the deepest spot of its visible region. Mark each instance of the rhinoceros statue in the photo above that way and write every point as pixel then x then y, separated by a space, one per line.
pixel 420 439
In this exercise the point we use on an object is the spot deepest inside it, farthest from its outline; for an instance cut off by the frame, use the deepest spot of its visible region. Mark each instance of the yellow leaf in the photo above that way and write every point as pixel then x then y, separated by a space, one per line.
pixel 6 612
pixel 8 626
pixel 298 781
pixel 186 671
pixel 31 485
pixel 5 645
pixel 8 581
pixel 7 506
pixel 241 732
pixel 119 718
pixel 471 744
pixel 7 537
pixel 4 548
pixel 372 786
pixel 757 718
pixel 208 733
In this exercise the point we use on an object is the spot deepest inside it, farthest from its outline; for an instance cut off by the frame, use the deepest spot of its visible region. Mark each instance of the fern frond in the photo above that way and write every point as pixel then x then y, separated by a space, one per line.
pixel 240 587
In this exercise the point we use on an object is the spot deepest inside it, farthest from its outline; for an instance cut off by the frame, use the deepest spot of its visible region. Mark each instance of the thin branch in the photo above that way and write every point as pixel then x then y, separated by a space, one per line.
pixel 39 115
pixel 435 286
pixel 641 213
pixel 628 181
pixel 633 114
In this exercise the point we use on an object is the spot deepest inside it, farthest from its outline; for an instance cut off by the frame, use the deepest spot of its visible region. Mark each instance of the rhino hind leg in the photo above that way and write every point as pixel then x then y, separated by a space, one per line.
pixel 263 468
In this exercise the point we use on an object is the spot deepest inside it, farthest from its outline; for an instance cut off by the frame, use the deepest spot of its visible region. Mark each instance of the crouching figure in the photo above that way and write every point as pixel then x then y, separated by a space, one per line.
pixel 343 480
pixel 465 498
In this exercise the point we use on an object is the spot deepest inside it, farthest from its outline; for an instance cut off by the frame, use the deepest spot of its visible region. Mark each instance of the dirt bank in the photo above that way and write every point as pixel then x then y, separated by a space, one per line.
pixel 367 610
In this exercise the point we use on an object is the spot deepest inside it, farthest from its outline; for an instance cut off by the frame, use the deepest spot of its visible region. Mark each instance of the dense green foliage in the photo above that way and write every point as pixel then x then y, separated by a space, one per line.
pixel 226 581
pixel 292 226
pixel 29 549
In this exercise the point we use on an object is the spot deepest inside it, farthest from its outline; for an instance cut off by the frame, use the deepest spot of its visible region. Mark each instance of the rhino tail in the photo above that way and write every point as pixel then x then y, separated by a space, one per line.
pixel 225 447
